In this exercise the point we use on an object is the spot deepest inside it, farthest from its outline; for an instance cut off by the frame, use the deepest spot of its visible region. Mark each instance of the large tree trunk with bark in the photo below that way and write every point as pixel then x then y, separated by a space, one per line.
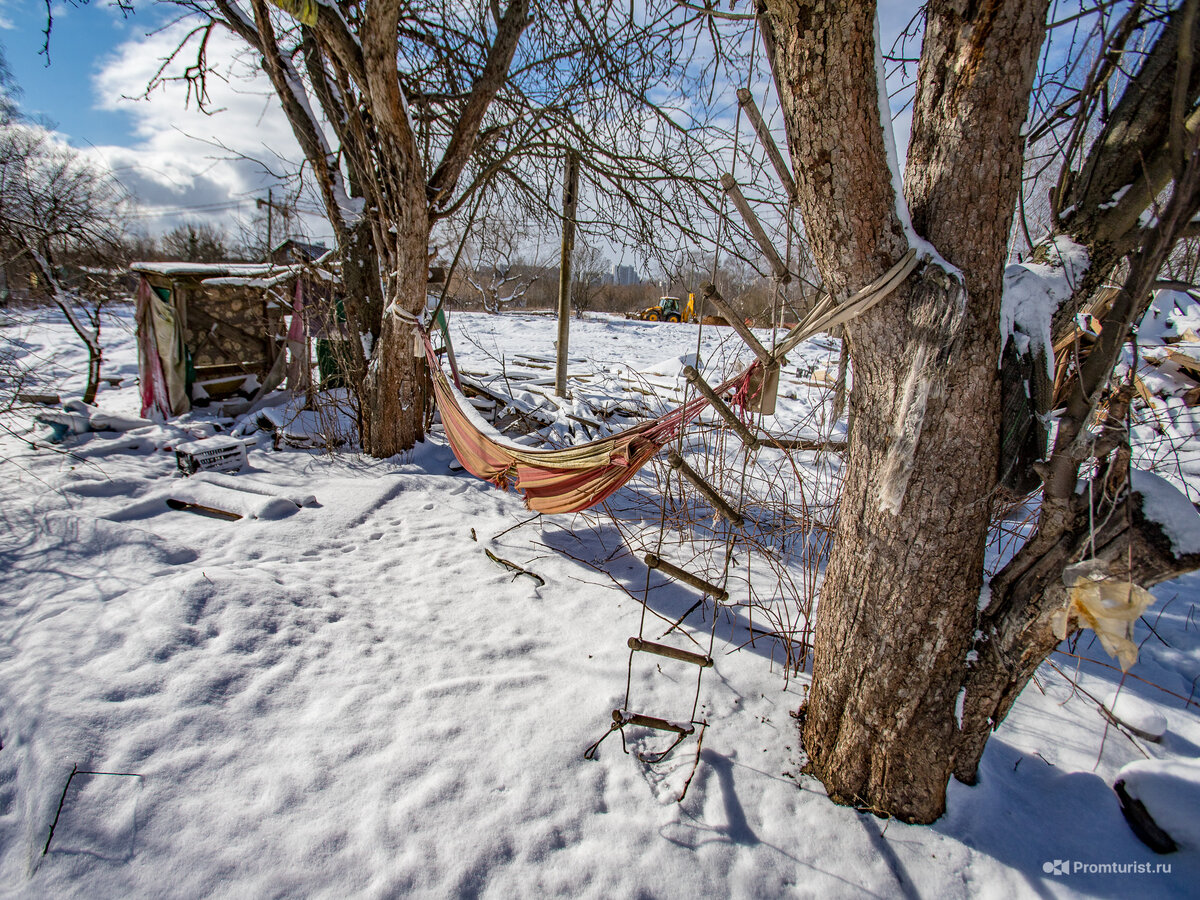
pixel 398 382
pixel 898 604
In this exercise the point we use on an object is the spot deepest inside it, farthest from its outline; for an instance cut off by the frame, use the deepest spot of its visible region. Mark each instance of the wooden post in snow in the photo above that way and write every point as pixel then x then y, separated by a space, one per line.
pixel 570 203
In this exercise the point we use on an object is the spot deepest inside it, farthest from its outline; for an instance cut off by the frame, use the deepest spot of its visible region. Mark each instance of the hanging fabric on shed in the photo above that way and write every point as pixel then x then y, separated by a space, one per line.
pixel 162 357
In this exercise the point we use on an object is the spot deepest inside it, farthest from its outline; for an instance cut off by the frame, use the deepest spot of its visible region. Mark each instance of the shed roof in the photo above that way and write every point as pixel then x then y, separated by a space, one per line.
pixel 263 275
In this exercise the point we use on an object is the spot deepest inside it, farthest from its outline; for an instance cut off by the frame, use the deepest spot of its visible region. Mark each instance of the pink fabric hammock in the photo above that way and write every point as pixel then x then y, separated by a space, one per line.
pixel 563 480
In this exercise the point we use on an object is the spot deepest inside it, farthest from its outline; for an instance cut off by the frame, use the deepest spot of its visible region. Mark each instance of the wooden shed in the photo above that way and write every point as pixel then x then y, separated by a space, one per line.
pixel 215 329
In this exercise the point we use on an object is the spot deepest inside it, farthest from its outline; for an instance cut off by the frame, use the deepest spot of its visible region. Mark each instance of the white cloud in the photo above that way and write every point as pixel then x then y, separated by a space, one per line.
pixel 180 162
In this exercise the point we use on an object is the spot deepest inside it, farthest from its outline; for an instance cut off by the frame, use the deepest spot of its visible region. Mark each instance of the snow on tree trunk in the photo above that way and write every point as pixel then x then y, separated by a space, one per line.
pixel 898 605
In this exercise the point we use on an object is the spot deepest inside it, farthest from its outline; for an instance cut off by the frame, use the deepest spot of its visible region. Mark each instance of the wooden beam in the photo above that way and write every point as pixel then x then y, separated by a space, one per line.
pixel 746 99
pixel 756 229
pixel 570 204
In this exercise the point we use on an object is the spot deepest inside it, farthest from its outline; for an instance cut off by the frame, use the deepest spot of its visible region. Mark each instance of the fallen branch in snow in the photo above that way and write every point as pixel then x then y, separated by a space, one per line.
pixel 211 511
pixel 75 770
pixel 695 764
pixel 512 566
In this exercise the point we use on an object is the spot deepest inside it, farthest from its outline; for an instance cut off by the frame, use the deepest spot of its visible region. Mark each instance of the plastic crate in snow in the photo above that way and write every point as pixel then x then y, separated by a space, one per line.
pixel 217 454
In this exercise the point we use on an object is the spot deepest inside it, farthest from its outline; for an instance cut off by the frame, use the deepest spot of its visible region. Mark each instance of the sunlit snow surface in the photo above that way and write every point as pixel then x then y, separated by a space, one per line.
pixel 349 698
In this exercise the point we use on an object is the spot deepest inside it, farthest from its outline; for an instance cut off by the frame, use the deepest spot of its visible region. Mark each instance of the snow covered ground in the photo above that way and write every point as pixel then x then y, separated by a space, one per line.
pixel 350 698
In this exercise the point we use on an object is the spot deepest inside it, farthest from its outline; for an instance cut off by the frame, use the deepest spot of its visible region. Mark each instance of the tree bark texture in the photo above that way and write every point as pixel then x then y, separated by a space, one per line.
pixel 897 607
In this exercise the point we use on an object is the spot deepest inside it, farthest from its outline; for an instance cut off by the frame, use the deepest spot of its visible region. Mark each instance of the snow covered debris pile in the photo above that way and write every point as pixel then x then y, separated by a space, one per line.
pixel 1166 505
pixel 1032 294
pixel 1173 316
pixel 1160 799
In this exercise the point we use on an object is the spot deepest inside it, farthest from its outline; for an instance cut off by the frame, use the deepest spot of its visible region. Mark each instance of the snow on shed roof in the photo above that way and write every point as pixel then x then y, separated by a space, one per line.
pixel 263 275
pixel 214 270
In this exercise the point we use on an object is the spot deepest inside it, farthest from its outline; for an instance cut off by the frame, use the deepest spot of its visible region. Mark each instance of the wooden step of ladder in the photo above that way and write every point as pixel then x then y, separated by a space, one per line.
pixel 624 717
pixel 697 659
pixel 723 506
pixel 717 593
pixel 695 379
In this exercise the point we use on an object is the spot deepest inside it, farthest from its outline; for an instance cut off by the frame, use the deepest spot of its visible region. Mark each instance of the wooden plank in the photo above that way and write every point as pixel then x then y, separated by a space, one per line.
pixel 1190 365
pixel 40 399
pixel 210 511
pixel 760 236
pixel 1144 392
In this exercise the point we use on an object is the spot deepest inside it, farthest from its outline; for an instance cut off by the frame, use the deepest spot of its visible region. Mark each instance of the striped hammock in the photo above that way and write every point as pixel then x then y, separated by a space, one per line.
pixel 563 480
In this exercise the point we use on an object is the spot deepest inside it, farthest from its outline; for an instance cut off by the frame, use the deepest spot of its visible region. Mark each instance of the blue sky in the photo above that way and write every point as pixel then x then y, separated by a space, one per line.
pixel 178 163
pixel 63 89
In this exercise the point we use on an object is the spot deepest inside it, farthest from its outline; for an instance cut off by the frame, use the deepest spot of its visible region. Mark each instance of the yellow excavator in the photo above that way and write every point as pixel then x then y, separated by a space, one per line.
pixel 668 310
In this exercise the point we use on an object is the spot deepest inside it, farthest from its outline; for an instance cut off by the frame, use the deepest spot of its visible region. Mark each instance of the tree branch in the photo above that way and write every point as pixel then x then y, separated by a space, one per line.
pixel 490 80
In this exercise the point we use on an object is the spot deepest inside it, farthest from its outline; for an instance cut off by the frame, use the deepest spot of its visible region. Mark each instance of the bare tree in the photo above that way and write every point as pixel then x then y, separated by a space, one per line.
pixel 429 102
pixel 494 264
pixel 196 242
pixel 911 669
pixel 56 205
pixel 588 265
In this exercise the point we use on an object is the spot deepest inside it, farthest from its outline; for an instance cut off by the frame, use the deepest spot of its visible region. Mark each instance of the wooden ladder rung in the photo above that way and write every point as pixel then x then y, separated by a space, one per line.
pixel 746 100
pixel 730 185
pixel 710 294
pixel 723 507
pixel 718 594
pixel 731 419
pixel 624 717
pixel 697 659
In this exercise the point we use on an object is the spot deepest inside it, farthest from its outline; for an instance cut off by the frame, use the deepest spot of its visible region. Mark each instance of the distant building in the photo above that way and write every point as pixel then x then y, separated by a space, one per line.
pixel 292 251
pixel 625 275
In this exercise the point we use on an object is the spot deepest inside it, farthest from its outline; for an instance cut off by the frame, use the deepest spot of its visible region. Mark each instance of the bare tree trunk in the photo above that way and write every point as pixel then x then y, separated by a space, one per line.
pixel 352 69
pixel 398 380
pixel 68 301
pixel 897 608
pixel 95 358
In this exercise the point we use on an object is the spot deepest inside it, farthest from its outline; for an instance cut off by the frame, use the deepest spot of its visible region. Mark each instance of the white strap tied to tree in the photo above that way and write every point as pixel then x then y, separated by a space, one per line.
pixel 828 314
pixel 402 314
